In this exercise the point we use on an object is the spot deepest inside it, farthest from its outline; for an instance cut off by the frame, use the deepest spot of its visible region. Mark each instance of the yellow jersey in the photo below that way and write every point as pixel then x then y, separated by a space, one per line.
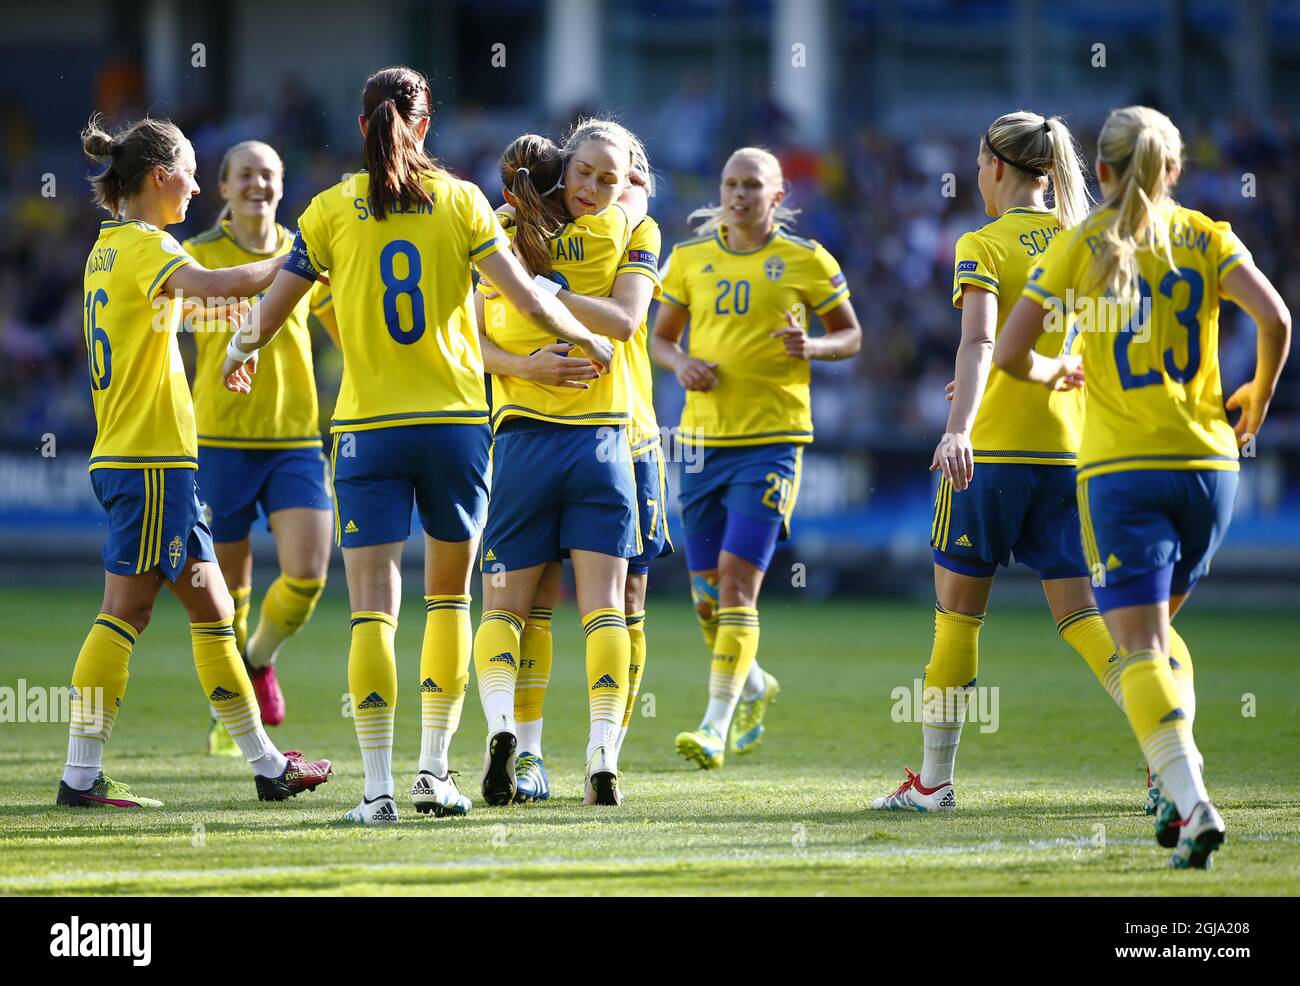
pixel 281 412
pixel 1153 396
pixel 402 297
pixel 585 257
pixel 736 300
pixel 1017 421
pixel 642 257
pixel 143 410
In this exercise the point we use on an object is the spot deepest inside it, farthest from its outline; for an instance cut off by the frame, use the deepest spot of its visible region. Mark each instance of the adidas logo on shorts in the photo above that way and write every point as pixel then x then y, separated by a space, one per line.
pixel 351 527
pixel 964 541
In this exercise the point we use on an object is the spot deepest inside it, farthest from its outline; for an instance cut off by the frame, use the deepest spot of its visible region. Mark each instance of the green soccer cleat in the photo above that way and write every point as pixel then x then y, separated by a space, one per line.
pixel 104 793
pixel 219 742
pixel 747 724
pixel 1199 836
pixel 703 746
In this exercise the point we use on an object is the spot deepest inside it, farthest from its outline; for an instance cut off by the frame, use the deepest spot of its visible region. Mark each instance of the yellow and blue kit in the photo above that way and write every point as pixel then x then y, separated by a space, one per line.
pixel 145 453
pixel 749 429
pixel 1157 469
pixel 401 289
pixel 562 475
pixel 1025 437
pixel 261 449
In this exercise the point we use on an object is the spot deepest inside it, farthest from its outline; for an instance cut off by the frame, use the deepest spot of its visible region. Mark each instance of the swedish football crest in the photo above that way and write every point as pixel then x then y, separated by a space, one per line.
pixel 774 267
pixel 174 550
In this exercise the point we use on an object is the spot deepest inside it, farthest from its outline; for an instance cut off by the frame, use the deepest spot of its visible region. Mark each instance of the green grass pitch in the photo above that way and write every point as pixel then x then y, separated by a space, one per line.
pixel 1050 803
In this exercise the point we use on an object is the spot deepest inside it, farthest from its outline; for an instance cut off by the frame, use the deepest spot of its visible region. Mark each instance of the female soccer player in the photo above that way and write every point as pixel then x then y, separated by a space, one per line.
pixel 1158 463
pixel 563 479
pixel 264 449
pixel 636 282
pixel 142 466
pixel 1019 499
pixel 398 241
pixel 747 285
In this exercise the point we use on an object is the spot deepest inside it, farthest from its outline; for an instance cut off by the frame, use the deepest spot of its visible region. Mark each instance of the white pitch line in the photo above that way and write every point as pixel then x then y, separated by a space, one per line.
pixel 883 852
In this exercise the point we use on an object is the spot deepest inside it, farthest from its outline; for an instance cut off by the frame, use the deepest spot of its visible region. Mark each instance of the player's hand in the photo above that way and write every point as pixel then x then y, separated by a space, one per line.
pixel 600 350
pixel 954 457
pixel 697 374
pixel 949 389
pixel 551 366
pixel 239 376
pixel 795 339
pixel 1252 400
pixel 1069 373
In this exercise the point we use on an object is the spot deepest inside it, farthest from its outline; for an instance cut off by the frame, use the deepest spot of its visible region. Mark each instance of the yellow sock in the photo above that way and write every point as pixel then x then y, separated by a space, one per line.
pixel 288 604
pixel 734 651
pixel 372 681
pixel 230 693
pixel 536 654
pixel 243 603
pixel 1086 632
pixel 705 590
pixel 636 669
pixel 1154 708
pixel 496 661
pixel 609 654
pixel 949 678
pixel 99 679
pixel 1180 663
pixel 444 676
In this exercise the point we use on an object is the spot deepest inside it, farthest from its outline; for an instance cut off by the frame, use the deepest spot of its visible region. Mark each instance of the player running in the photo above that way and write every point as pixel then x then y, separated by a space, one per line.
pixel 563 478
pixel 1007 458
pixel 1157 471
pixel 264 449
pixel 562 194
pixel 143 462
pixel 747 286
pixel 398 241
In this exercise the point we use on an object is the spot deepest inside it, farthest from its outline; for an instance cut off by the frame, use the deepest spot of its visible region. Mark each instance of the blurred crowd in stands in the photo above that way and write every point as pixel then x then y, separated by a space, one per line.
pixel 875 200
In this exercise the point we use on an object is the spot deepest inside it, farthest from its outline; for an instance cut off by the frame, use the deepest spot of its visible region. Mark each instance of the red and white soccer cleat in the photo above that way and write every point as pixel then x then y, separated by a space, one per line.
pixel 299 775
pixel 911 796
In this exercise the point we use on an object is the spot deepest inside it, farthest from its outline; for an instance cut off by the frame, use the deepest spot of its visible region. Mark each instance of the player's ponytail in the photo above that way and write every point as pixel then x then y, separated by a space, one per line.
pixel 1144 150
pixel 393 102
pixel 131 155
pixel 1039 148
pixel 531 169
pixel 710 218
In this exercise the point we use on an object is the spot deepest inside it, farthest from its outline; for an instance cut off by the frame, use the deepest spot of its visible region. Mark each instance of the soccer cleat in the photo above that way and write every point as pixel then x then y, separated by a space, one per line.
pixel 531 782
pixel 219 742
pixel 704 747
pixel 439 795
pixel 498 781
pixel 1153 793
pixel 299 775
pixel 269 697
pixel 379 811
pixel 600 786
pixel 747 724
pixel 911 796
pixel 1200 835
pixel 104 793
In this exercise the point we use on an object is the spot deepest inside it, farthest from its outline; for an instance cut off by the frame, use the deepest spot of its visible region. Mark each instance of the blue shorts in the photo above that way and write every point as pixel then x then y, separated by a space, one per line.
pixel 154 519
pixel 1150 533
pixel 380 471
pixel 652 502
pixel 738 499
pixel 1028 511
pixel 234 483
pixel 556 488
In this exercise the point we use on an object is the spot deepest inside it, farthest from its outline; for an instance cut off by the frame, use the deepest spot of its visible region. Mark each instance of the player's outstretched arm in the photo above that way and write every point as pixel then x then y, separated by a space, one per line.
pixel 1246 286
pixel 619 315
pixel 197 282
pixel 261 326
pixel 508 276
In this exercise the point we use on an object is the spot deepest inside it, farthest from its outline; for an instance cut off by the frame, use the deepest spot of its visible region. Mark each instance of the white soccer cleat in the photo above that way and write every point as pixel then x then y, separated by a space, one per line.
pixel 439 795
pixel 601 785
pixel 1199 836
pixel 911 796
pixel 379 811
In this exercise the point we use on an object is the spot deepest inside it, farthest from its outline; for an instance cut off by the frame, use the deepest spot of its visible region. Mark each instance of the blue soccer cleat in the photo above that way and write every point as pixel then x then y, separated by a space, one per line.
pixel 531 782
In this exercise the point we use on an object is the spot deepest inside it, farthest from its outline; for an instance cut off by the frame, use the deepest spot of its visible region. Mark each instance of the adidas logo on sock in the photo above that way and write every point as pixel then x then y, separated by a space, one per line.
pixel 373 701
pixel 220 694
pixel 964 541
pixel 1174 716
pixel 505 657
pixel 605 681
pixel 428 685
pixel 351 527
